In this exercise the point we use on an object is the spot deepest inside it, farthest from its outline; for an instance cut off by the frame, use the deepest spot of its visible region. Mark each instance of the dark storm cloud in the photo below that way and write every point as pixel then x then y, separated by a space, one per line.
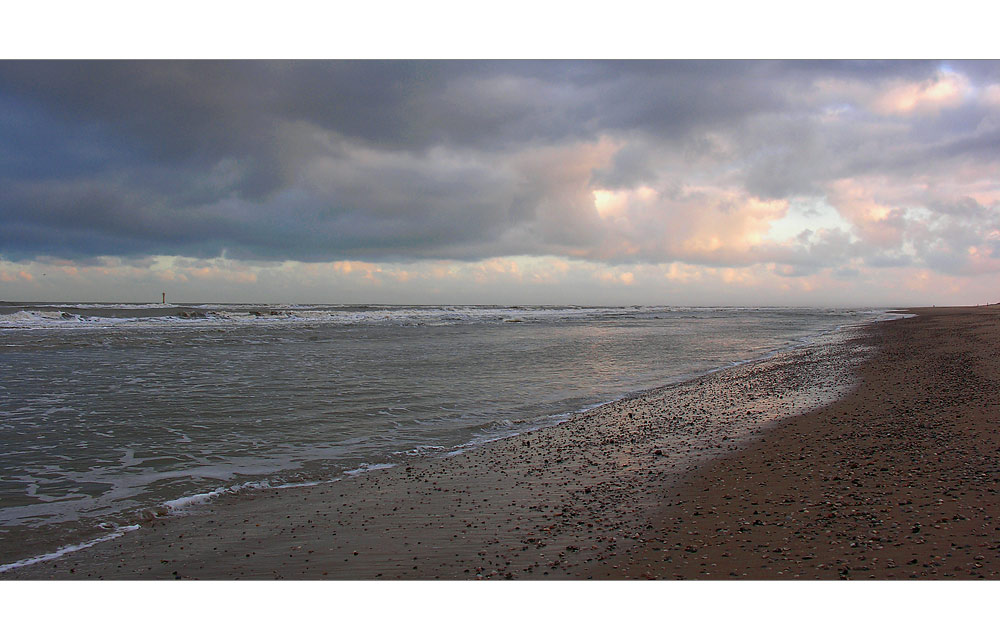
pixel 428 159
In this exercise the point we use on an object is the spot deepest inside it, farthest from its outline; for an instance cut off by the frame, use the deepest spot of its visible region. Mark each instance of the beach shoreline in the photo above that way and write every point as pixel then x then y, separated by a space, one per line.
pixel 106 424
pixel 556 502
pixel 864 455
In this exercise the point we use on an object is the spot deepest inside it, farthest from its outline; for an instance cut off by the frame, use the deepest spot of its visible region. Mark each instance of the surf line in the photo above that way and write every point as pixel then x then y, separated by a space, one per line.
pixel 68 549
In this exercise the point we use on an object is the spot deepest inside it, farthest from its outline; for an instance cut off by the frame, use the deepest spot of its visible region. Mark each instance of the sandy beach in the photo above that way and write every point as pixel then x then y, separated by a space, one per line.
pixel 747 472
pixel 898 480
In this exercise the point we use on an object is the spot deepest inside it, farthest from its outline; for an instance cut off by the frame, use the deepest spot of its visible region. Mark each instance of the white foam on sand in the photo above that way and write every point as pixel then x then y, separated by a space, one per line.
pixel 117 533
pixel 364 468
pixel 183 503
pixel 171 507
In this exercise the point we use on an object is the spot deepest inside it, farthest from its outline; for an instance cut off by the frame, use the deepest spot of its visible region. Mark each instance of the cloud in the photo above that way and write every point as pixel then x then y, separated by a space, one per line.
pixel 621 163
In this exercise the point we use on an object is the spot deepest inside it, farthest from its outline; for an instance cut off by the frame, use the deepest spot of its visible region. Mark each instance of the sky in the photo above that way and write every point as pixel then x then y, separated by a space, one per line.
pixel 679 182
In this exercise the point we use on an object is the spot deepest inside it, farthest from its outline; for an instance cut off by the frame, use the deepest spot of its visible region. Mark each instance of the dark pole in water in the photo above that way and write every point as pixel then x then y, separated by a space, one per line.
pixel 164 297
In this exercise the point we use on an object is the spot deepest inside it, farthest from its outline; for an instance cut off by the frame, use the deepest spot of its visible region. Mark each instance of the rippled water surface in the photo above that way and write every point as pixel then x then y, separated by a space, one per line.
pixel 107 410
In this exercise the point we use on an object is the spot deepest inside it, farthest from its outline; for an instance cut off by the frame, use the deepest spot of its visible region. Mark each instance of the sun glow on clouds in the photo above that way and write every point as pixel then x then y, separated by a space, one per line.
pixel 609 203
pixel 722 223
pixel 805 215
pixel 946 90
pixel 700 222
pixel 927 97
pixel 615 204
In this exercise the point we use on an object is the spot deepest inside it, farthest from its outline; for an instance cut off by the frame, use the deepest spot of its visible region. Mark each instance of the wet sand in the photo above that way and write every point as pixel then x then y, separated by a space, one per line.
pixel 897 481
pixel 664 484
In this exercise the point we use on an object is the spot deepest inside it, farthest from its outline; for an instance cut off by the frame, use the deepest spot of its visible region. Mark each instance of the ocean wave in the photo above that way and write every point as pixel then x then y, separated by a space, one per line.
pixel 97 315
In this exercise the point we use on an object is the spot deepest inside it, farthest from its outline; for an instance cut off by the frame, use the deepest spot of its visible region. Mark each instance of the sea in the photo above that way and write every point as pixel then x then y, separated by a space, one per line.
pixel 113 414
